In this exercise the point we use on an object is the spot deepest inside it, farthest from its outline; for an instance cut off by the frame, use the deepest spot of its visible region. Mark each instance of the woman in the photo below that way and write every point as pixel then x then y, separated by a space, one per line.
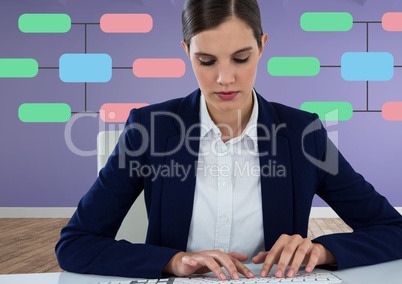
pixel 247 180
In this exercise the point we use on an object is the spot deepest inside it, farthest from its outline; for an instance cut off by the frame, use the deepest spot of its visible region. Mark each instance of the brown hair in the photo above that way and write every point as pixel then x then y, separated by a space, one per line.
pixel 201 15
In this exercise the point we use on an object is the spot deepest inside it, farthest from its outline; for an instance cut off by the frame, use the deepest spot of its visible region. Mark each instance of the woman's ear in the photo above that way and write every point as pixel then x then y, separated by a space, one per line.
pixel 185 46
pixel 264 39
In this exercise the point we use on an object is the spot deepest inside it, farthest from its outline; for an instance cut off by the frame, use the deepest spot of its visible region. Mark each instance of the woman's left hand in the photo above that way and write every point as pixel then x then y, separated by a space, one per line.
pixel 293 251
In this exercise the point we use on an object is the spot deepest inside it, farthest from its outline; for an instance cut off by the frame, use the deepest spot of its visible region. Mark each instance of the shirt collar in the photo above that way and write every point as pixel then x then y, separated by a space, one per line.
pixel 205 120
pixel 207 125
pixel 251 128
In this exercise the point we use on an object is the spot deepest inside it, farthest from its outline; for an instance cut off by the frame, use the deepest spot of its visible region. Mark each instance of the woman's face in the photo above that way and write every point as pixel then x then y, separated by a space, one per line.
pixel 224 61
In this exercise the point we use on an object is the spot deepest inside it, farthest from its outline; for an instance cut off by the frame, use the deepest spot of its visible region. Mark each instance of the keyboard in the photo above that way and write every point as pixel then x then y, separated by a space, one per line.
pixel 306 278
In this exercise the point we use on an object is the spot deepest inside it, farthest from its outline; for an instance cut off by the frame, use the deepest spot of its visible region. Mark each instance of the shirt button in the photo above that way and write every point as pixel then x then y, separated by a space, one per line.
pixel 225 219
pixel 225 184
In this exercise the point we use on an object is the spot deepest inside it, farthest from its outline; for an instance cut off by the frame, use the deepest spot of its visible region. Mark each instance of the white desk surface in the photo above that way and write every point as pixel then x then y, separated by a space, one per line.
pixel 384 273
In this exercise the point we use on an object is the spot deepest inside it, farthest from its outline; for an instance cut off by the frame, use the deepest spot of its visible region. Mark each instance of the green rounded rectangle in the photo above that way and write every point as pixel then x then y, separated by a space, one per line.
pixel 18 68
pixel 44 23
pixel 44 112
pixel 330 111
pixel 293 66
pixel 326 21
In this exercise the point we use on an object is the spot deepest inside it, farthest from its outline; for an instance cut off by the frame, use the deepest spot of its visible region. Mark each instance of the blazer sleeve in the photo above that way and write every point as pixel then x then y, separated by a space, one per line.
pixel 377 226
pixel 87 243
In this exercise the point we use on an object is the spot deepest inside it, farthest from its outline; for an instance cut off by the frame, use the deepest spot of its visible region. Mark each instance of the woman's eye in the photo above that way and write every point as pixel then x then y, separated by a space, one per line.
pixel 207 63
pixel 240 60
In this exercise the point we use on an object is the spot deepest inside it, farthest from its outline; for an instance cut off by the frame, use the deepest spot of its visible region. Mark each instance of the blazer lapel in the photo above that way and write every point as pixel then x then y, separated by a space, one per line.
pixel 178 190
pixel 276 175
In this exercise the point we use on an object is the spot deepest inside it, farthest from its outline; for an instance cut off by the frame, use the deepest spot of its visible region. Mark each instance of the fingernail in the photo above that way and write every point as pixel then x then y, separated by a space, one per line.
pixel 235 276
pixel 222 276
pixel 278 274
pixel 250 274
pixel 309 269
pixel 291 273
pixel 263 273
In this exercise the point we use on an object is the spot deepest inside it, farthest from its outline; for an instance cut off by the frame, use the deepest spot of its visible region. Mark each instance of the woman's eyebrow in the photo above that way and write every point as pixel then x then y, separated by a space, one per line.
pixel 243 50
pixel 236 52
pixel 203 54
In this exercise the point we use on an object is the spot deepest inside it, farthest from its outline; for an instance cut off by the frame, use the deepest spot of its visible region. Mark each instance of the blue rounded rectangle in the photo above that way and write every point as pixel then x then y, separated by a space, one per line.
pixel 367 66
pixel 85 68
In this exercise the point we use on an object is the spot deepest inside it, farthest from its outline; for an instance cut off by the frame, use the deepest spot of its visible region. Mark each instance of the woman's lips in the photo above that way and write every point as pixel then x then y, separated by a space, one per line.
pixel 227 95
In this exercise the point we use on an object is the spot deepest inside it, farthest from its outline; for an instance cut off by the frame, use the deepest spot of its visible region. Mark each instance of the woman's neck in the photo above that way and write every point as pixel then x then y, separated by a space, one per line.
pixel 232 124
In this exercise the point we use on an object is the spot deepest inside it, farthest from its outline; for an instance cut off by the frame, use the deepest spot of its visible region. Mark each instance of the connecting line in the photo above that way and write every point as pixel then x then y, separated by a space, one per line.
pixel 367 30
pixel 85 23
pixel 50 68
pixel 367 22
pixel 367 110
pixel 85 32
pixel 85 27
pixel 367 95
pixel 85 96
pixel 122 67
pixel 367 37
pixel 330 66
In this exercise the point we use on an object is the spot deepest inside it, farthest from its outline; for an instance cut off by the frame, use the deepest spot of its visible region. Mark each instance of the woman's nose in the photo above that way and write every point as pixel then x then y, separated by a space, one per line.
pixel 226 75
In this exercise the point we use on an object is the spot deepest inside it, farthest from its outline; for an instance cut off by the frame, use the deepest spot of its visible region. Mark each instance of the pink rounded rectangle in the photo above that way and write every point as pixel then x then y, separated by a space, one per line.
pixel 118 112
pixel 126 23
pixel 392 21
pixel 159 67
pixel 392 111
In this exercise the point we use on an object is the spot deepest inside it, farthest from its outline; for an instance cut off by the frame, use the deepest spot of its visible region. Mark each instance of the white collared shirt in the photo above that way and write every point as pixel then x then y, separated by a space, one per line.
pixel 227 210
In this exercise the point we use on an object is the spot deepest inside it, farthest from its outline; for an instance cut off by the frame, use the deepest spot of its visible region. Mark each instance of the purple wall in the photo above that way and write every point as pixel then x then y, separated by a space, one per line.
pixel 39 169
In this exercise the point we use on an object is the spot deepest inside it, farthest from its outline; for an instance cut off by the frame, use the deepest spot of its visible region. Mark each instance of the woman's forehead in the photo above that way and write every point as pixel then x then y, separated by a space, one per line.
pixel 229 37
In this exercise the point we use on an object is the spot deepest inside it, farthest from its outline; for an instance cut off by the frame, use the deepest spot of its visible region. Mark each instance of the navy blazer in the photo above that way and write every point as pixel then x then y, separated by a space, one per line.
pixel 288 137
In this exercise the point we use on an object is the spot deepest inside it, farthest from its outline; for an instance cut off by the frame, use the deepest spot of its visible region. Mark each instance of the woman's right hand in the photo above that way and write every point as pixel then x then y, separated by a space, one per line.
pixel 187 263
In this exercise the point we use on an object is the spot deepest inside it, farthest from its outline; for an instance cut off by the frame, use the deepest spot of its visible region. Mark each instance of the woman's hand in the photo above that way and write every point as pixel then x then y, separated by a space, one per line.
pixel 293 251
pixel 187 263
